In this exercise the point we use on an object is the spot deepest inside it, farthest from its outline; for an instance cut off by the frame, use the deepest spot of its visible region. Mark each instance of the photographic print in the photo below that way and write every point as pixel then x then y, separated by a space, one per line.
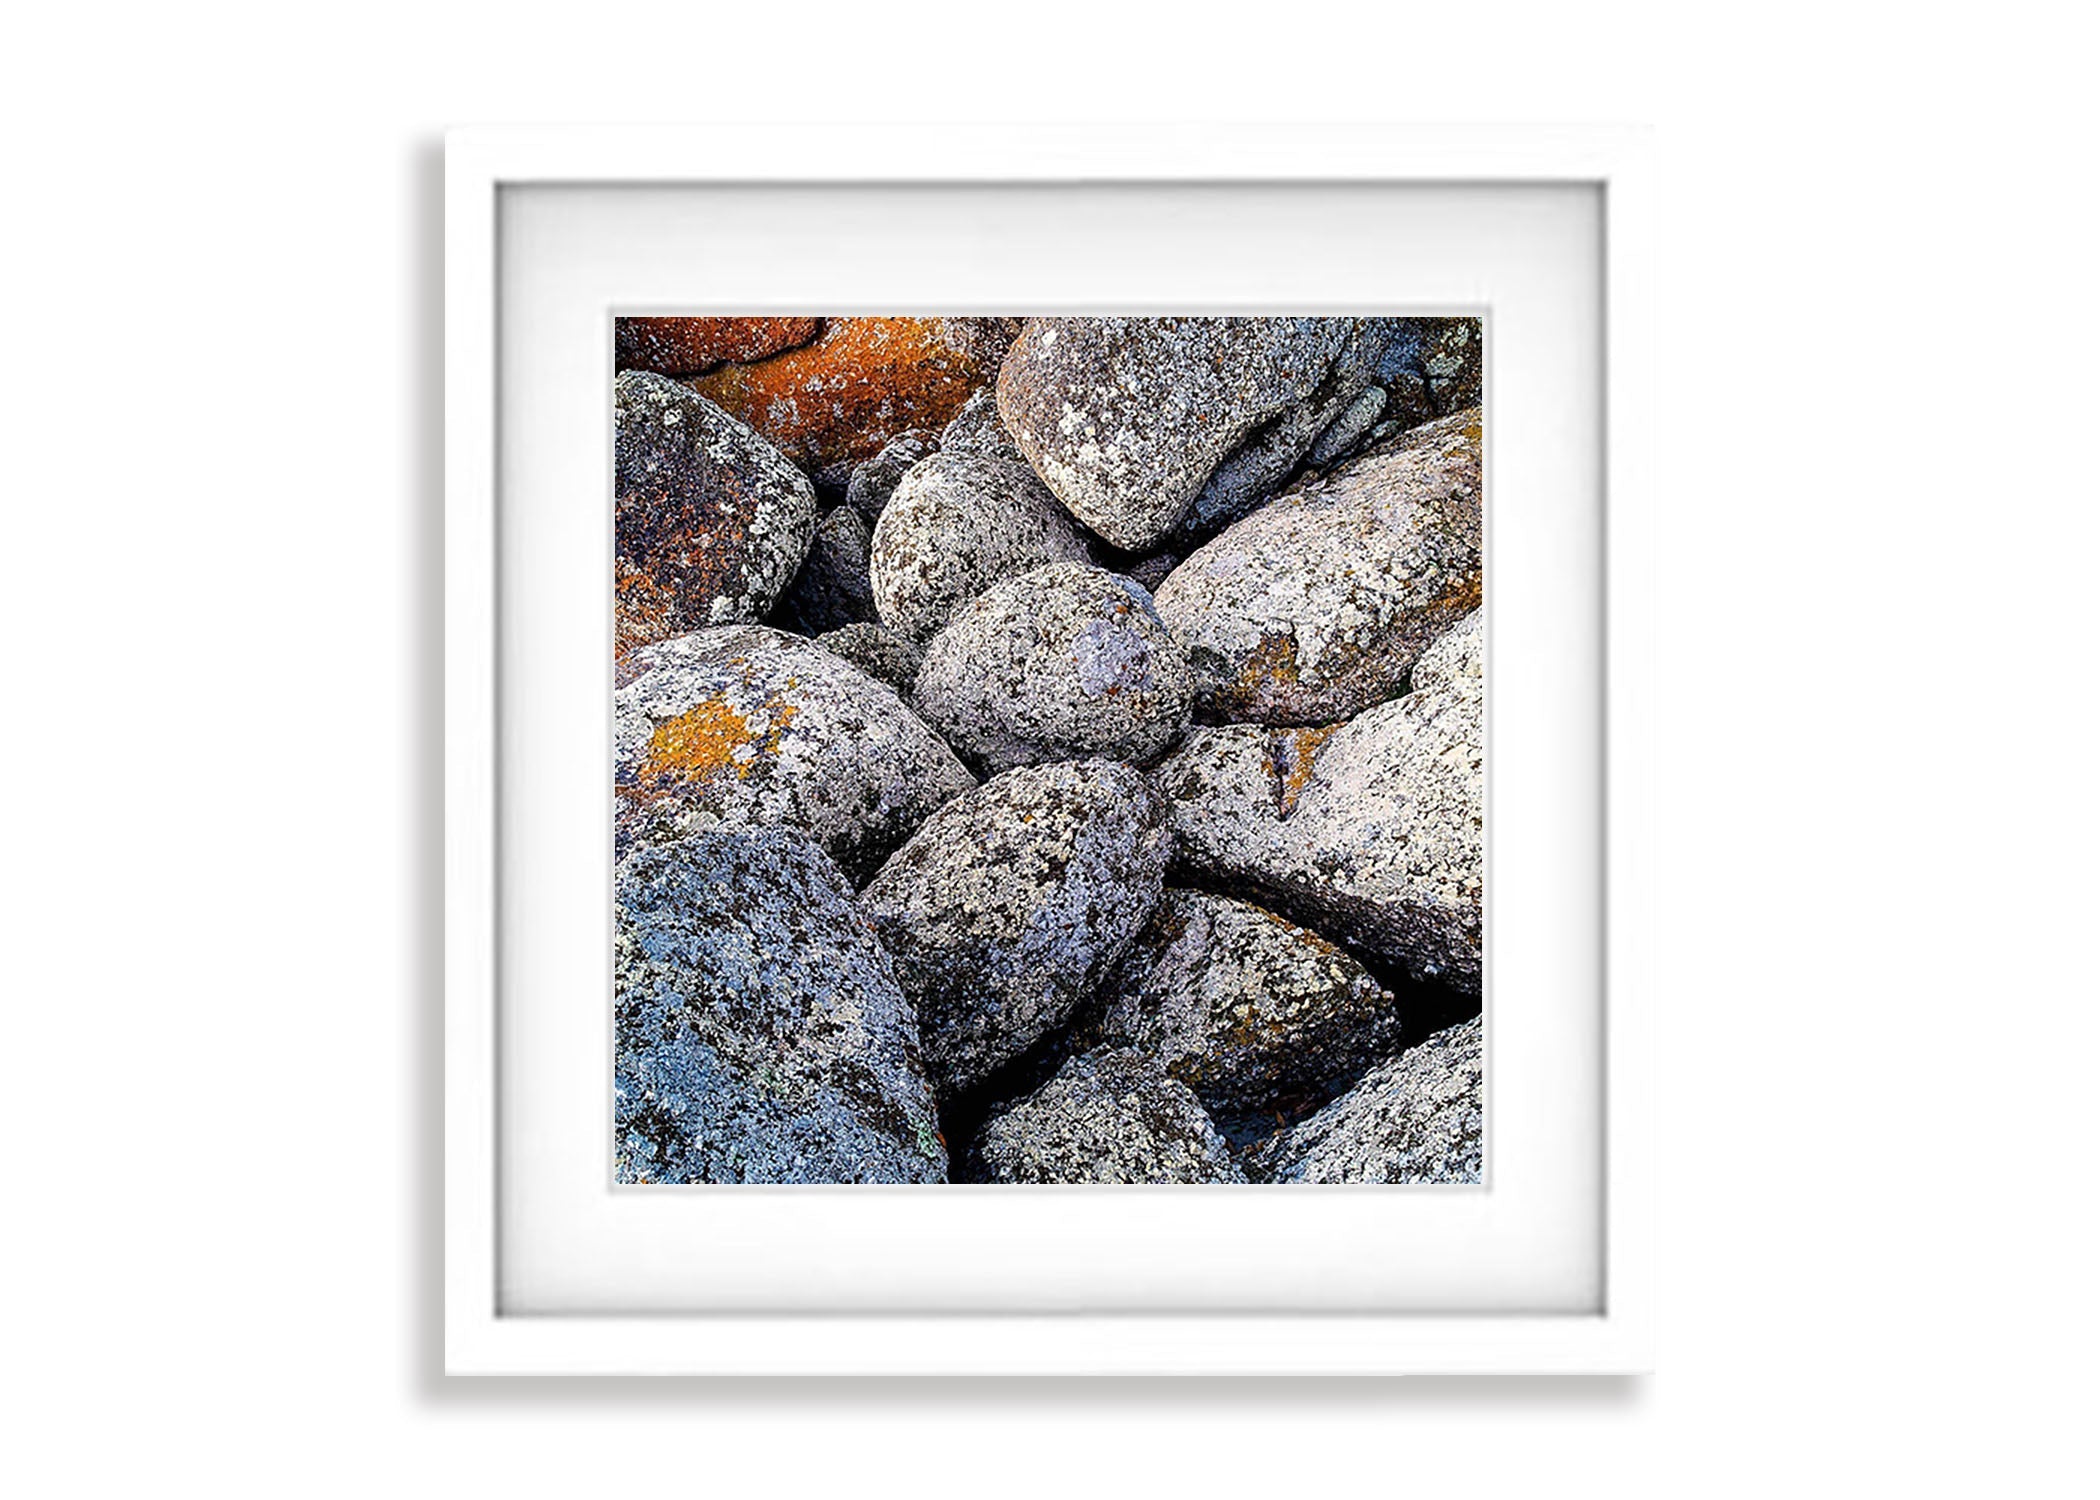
pixel 1047 750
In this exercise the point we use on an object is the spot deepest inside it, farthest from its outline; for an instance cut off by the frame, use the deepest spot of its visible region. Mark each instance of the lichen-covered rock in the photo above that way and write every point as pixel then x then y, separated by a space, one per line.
pixel 1368 831
pixel 1107 1117
pixel 1006 908
pixel 878 651
pixel 1129 419
pixel 745 726
pixel 1317 605
pixel 976 429
pixel 1446 353
pixel 955 526
pixel 874 480
pixel 1247 1009
pixel 688 346
pixel 760 1035
pixel 832 588
pixel 710 522
pixel 1414 1119
pixel 1064 662
pixel 1346 431
pixel 864 382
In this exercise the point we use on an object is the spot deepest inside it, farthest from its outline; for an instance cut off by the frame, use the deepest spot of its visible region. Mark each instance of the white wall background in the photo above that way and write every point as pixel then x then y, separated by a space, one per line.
pixel 218 601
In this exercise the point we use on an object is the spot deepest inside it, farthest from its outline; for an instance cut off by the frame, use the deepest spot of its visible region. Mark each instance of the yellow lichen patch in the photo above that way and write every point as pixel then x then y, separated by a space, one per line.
pixel 1298 747
pixel 697 745
pixel 1275 660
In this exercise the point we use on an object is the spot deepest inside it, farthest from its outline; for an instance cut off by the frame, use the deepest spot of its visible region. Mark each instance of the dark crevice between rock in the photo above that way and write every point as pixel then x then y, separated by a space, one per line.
pixel 963 1115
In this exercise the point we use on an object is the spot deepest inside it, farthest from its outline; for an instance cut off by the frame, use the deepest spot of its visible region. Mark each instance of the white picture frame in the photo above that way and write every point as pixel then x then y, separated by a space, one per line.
pixel 481 1337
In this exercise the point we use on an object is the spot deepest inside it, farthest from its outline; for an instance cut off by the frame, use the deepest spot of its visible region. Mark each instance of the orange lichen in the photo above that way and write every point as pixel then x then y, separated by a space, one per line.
pixel 697 745
pixel 866 380
pixel 687 346
pixel 1295 749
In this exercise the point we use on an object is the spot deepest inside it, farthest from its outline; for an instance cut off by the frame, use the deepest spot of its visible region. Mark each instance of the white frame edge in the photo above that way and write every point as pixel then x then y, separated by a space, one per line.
pixel 478 163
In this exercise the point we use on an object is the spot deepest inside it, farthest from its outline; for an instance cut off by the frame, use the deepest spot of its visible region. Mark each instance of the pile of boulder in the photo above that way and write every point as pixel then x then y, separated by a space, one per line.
pixel 1048 750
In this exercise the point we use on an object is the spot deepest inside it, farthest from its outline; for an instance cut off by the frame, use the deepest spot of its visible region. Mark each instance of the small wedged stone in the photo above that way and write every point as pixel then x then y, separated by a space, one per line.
pixel 1249 1010
pixel 760 1035
pixel 710 522
pixel 1107 1117
pixel 746 726
pixel 1317 605
pixel 832 589
pixel 1369 832
pixel 1063 662
pixel 956 525
pixel 976 429
pixel 878 651
pixel 874 480
pixel 1346 431
pixel 1415 1119
pixel 1010 903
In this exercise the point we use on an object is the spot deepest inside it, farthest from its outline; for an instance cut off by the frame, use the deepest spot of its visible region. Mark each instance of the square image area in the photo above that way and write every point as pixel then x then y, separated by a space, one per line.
pixel 1047 750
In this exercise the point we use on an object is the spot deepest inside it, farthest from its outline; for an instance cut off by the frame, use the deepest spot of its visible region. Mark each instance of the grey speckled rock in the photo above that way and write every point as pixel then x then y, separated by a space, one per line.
pixel 761 1035
pixel 1446 353
pixel 1128 420
pixel 1152 571
pixel 878 651
pixel 832 589
pixel 1107 1117
pixel 1316 606
pixel 1008 906
pixel 1063 662
pixel 710 521
pixel 874 480
pixel 978 430
pixel 1369 832
pixel 1414 1119
pixel 956 525
pixel 750 727
pixel 1245 1008
pixel 1349 429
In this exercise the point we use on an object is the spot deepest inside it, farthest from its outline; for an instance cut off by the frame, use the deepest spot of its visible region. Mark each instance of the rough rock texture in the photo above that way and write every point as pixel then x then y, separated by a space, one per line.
pixel 976 429
pixel 1004 911
pixel 1446 353
pixel 878 651
pixel 709 521
pixel 832 588
pixel 1245 1008
pixel 874 480
pixel 1317 605
pixel 1153 571
pixel 1369 831
pixel 955 526
pixel 688 346
pixel 1107 1117
pixel 1414 1119
pixel 761 1035
pixel 744 726
pixel 864 382
pixel 1129 419
pixel 1064 662
pixel 1349 429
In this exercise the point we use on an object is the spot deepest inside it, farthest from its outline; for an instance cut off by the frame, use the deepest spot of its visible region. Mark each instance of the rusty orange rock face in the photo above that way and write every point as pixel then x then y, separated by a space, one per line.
pixel 688 346
pixel 837 401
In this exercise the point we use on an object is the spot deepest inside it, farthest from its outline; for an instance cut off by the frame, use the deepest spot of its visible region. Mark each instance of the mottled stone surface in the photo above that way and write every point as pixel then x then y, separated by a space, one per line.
pixel 1153 571
pixel 688 346
pixel 745 726
pixel 874 480
pixel 1064 662
pixel 1369 832
pixel 1004 911
pixel 864 382
pixel 1317 605
pixel 710 522
pixel 832 589
pixel 956 525
pixel 1447 354
pixel 1129 419
pixel 1247 1009
pixel 1107 1117
pixel 1345 432
pixel 1414 1119
pixel 878 651
pixel 976 429
pixel 760 1035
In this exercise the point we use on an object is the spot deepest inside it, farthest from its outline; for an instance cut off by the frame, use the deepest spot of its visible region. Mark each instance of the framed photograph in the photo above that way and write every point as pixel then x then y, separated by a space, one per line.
pixel 1045 752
